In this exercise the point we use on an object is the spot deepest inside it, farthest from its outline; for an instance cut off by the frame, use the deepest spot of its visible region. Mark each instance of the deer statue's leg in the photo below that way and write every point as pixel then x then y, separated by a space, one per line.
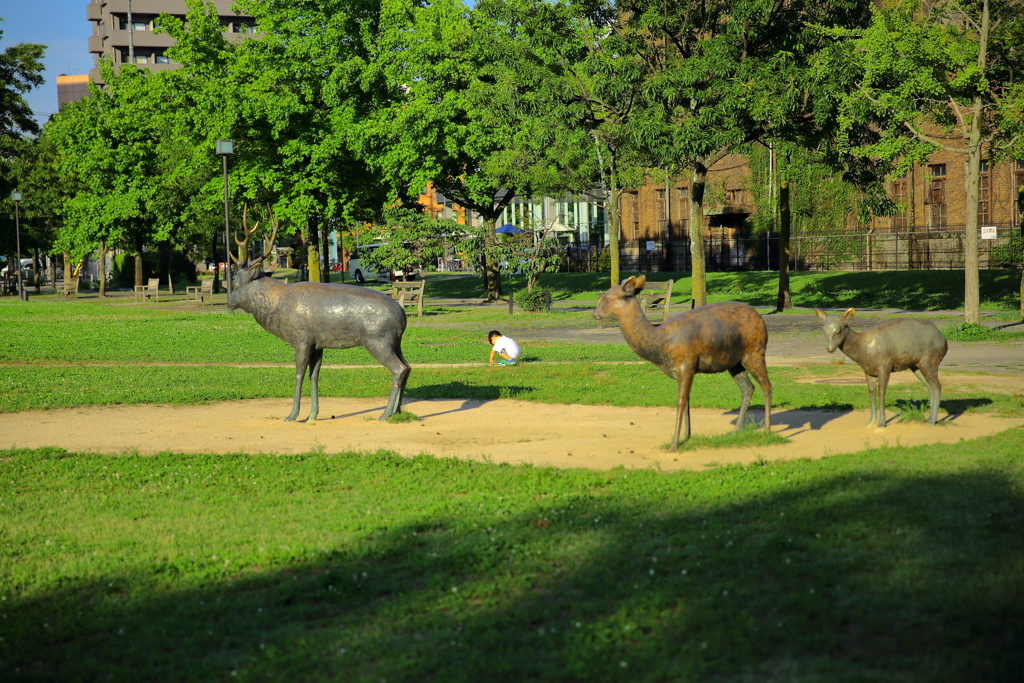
pixel 739 375
pixel 389 354
pixel 301 363
pixel 316 357
pixel 929 376
pixel 872 386
pixel 756 366
pixel 883 382
pixel 684 375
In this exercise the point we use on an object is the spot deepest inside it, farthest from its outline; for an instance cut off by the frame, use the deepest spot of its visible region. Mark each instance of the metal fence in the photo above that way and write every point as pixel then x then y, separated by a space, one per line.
pixel 925 249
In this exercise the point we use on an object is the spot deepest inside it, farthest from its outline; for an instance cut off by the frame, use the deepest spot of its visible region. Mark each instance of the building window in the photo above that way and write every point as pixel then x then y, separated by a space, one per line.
pixel 1018 184
pixel 659 208
pixel 142 59
pixel 899 196
pixel 984 193
pixel 243 27
pixel 937 196
pixel 683 222
pixel 735 197
pixel 634 210
pixel 161 59
pixel 122 24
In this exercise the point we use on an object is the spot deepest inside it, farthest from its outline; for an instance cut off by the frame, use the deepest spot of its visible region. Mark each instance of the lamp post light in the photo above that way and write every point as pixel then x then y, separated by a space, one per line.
pixel 16 197
pixel 225 148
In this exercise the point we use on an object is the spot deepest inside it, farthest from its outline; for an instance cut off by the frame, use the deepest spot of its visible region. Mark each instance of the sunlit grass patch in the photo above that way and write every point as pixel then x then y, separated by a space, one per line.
pixel 403 417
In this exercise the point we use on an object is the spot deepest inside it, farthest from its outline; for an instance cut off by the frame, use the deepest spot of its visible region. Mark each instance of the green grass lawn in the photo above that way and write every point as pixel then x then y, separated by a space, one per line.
pixel 897 564
pixel 913 290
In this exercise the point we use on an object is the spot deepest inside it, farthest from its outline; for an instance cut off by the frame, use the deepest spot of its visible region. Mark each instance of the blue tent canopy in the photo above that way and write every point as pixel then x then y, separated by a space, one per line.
pixel 508 229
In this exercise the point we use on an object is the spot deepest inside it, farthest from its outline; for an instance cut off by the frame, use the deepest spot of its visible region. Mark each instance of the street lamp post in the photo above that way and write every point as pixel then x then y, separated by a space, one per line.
pixel 16 197
pixel 224 149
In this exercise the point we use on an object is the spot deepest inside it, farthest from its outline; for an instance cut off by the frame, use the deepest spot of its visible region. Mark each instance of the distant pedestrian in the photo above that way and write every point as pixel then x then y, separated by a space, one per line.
pixel 503 346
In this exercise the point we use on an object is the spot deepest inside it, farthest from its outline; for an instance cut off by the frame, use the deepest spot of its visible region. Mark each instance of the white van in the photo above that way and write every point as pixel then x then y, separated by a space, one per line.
pixel 361 272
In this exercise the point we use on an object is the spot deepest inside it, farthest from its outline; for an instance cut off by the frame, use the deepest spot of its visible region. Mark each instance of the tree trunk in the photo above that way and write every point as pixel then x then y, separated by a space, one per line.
pixel 492 273
pixel 216 269
pixel 972 286
pixel 103 269
pixel 138 263
pixel 785 301
pixel 614 216
pixel 312 250
pixel 697 258
pixel 1020 213
pixel 325 272
pixel 67 266
pixel 35 268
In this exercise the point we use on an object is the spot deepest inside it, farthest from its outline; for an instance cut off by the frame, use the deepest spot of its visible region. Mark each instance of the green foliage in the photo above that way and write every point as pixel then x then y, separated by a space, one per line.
pixel 532 299
pixel 154 264
pixel 196 567
pixel 968 332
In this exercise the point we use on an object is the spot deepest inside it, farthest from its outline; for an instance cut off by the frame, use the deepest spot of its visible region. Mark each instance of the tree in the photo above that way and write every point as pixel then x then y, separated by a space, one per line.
pixel 943 75
pixel 458 116
pixel 21 70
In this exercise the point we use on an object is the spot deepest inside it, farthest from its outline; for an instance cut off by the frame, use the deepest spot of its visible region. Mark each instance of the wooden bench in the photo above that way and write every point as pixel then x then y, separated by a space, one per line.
pixel 409 294
pixel 656 296
pixel 198 294
pixel 149 290
pixel 71 287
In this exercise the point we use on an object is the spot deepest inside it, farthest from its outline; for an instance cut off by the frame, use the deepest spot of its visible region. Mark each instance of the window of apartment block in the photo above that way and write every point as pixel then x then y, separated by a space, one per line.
pixel 142 59
pixel 984 193
pixel 161 59
pixel 899 195
pixel 937 196
pixel 634 211
pixel 243 27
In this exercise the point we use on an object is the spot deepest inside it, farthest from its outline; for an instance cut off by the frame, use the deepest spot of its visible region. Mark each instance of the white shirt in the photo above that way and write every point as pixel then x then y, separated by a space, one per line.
pixel 507 346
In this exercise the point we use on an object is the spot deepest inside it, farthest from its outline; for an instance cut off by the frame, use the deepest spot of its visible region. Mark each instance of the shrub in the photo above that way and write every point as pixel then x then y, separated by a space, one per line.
pixel 533 299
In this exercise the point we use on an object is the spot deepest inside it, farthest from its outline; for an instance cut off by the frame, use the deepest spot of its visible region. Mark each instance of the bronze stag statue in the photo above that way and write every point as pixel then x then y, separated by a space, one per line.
pixel 313 316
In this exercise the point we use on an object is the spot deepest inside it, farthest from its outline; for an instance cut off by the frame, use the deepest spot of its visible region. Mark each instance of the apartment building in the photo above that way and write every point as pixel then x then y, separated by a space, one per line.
pixel 122 31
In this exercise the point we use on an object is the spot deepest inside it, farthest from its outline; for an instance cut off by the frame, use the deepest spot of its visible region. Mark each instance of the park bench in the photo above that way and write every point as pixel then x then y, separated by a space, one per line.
pixel 148 290
pixel 656 296
pixel 71 287
pixel 198 294
pixel 409 294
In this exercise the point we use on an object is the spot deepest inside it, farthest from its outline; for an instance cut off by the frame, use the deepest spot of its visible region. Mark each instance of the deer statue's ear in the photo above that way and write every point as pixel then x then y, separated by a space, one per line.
pixel 254 269
pixel 848 316
pixel 820 313
pixel 629 286
pixel 640 280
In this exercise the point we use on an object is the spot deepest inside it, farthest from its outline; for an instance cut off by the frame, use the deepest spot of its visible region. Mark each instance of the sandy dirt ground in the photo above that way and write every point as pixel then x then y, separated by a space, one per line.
pixel 594 437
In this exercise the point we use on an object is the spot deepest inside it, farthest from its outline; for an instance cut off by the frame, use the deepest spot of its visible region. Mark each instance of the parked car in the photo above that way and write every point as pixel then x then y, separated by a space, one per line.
pixel 361 271
pixel 26 267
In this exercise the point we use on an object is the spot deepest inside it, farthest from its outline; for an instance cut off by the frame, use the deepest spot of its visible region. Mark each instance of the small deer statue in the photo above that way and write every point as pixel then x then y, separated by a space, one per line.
pixel 888 347
pixel 313 316
pixel 716 338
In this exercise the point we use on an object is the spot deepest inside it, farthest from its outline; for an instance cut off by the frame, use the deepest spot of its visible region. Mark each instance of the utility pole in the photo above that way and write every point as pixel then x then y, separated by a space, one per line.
pixel 131 35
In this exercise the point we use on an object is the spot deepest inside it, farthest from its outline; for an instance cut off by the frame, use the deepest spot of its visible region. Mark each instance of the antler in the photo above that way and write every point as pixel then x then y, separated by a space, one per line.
pixel 273 237
pixel 243 245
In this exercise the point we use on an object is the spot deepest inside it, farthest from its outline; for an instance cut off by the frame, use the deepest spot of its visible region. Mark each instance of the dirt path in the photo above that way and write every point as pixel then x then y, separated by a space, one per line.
pixel 596 437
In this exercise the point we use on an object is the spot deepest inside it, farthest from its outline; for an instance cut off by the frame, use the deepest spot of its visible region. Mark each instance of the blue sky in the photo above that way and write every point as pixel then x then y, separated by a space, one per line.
pixel 62 27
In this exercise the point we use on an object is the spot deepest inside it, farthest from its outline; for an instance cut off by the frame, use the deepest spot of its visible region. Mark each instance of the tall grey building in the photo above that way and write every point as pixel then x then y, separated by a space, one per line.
pixel 125 40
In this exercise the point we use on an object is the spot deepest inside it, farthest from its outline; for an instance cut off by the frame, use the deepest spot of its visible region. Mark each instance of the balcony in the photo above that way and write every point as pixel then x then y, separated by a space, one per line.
pixel 96 44
pixel 94 11
pixel 142 39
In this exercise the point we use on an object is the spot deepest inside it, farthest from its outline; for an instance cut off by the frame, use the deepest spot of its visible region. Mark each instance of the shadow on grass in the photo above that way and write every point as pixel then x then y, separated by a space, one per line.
pixel 462 390
pixel 780 586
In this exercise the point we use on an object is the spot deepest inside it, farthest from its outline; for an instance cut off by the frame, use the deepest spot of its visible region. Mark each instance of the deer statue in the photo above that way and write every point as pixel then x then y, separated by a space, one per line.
pixel 716 338
pixel 312 316
pixel 888 347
